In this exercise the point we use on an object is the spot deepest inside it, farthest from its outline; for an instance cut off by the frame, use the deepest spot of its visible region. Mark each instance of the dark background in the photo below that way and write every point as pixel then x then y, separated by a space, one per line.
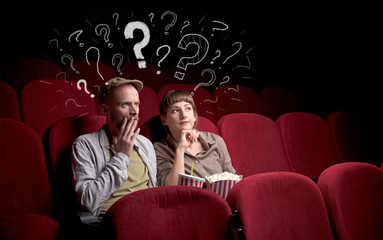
pixel 328 52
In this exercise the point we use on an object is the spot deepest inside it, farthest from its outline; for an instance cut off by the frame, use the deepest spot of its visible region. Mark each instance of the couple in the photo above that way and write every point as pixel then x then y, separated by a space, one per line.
pixel 117 160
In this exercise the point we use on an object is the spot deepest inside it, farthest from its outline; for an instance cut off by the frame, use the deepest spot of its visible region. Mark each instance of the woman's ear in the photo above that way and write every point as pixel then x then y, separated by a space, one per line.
pixel 105 109
pixel 163 120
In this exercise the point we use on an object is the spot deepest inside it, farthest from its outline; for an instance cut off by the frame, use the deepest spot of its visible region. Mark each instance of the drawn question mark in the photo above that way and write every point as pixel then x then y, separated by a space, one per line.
pixel 129 28
pixel 151 16
pixel 218 52
pixel 117 16
pixel 203 48
pixel 173 21
pixel 103 28
pixel 186 24
pixel 83 81
pixel 225 81
pixel 240 47
pixel 166 54
pixel 57 43
pixel 98 60
pixel 211 81
pixel 70 60
pixel 225 27
pixel 77 33
pixel 116 56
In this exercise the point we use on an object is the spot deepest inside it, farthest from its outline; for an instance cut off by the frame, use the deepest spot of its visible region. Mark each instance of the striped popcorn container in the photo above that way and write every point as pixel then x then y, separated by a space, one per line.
pixel 221 187
pixel 188 180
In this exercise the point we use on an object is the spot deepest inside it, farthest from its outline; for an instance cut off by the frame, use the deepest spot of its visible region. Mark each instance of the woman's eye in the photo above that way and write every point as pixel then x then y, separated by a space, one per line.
pixel 174 110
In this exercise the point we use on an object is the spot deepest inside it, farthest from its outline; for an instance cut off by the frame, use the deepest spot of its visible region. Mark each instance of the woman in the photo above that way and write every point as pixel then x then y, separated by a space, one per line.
pixel 184 144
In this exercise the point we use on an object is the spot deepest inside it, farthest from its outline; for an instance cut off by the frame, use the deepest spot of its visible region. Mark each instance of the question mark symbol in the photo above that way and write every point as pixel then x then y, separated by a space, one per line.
pixel 57 43
pixel 218 52
pixel 103 28
pixel 212 80
pixel 130 27
pixel 78 32
pixel 151 16
pixel 225 27
pixel 83 81
pixel 115 56
pixel 70 60
pixel 186 23
pixel 166 54
pixel 116 14
pixel 225 81
pixel 173 21
pixel 203 46
pixel 240 47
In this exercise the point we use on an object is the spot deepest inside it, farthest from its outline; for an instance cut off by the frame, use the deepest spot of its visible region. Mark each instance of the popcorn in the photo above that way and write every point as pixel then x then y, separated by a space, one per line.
pixel 223 176
pixel 222 183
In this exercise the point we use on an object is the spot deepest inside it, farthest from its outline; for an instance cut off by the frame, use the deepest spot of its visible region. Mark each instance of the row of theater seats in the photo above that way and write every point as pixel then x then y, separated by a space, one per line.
pixel 345 203
pixel 47 100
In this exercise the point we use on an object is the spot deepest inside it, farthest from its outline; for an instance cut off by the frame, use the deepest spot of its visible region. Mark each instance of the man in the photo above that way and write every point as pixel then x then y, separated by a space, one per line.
pixel 116 160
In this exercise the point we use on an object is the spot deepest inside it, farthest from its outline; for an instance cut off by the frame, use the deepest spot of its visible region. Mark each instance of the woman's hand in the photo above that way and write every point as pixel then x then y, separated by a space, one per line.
pixel 187 138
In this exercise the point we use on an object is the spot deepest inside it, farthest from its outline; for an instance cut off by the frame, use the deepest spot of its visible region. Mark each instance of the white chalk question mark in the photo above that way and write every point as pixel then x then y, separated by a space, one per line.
pixel 78 33
pixel 218 52
pixel 70 60
pixel 83 81
pixel 98 60
pixel 116 14
pixel 103 28
pixel 116 56
pixel 240 46
pixel 225 27
pixel 203 46
pixel 186 23
pixel 57 43
pixel 211 81
pixel 166 54
pixel 151 16
pixel 130 27
pixel 173 21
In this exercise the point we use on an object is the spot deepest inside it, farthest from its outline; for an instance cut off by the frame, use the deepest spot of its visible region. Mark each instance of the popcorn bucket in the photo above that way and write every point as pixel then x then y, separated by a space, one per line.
pixel 188 180
pixel 221 187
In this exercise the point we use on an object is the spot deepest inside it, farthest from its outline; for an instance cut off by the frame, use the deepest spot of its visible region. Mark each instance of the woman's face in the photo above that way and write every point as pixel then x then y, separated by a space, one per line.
pixel 180 116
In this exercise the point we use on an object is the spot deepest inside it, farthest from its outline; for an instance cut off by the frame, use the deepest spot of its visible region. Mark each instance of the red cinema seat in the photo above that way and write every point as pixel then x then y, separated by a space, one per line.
pixel 236 99
pixel 307 142
pixel 152 76
pixel 203 99
pixel 254 143
pixel 353 193
pixel 60 136
pixel 170 212
pixel 9 102
pixel 45 101
pixel 23 70
pixel 26 208
pixel 277 101
pixel 280 205
pixel 353 137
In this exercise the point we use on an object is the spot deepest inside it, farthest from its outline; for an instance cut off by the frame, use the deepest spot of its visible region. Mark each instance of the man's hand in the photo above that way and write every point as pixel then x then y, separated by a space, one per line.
pixel 125 141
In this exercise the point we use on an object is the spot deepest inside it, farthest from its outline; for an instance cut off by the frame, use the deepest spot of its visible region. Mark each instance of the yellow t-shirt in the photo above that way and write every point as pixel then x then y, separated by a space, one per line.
pixel 138 178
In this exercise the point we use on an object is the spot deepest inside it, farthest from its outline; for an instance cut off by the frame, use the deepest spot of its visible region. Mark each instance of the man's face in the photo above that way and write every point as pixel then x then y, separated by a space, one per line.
pixel 122 102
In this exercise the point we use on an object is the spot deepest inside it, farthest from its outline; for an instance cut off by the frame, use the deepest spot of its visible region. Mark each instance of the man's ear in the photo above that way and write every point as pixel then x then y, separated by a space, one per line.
pixel 163 120
pixel 105 109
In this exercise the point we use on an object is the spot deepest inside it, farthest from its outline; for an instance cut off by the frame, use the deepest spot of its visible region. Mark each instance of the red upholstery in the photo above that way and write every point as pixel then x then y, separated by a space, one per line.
pixel 170 212
pixel 307 142
pixel 23 70
pixel 280 205
pixel 24 184
pixel 9 102
pixel 236 99
pixel 29 226
pixel 203 100
pixel 95 73
pixel 61 135
pixel 45 101
pixel 353 138
pixel 254 143
pixel 149 75
pixel 353 193
pixel 149 104
pixel 277 101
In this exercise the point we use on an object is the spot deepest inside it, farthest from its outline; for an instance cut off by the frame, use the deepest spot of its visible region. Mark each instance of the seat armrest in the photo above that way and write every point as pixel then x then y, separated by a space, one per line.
pixel 87 219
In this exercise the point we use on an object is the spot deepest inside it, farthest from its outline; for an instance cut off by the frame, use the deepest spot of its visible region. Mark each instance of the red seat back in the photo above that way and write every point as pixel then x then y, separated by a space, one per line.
pixel 307 142
pixel 280 205
pixel 254 143
pixel 24 182
pixel 236 99
pixel 353 193
pixel 9 102
pixel 45 101
pixel 170 212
